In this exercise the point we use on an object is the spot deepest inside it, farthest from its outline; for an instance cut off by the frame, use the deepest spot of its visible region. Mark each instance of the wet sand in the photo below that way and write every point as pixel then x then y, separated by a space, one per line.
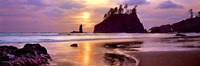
pixel 168 58
pixel 157 56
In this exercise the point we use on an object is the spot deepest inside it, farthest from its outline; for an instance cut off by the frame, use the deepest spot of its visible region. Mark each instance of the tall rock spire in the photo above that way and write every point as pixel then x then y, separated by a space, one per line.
pixel 81 28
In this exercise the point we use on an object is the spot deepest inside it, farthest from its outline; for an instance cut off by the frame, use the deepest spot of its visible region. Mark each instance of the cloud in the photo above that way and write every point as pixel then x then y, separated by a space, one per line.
pixel 71 5
pixel 44 13
pixel 133 2
pixel 169 5
pixel 55 12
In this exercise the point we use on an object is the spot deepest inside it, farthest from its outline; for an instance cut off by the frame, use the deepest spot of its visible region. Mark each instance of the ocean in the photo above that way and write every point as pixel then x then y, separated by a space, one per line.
pixel 62 37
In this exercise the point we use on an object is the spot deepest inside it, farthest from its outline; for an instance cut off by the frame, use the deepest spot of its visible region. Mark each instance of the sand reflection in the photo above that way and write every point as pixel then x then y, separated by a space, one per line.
pixel 84 57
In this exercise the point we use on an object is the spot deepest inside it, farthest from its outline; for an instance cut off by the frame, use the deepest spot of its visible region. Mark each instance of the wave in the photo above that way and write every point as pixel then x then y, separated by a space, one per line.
pixel 61 37
pixel 28 34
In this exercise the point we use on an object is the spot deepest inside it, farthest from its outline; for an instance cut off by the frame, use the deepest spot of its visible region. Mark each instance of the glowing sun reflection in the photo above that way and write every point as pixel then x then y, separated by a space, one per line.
pixel 85 54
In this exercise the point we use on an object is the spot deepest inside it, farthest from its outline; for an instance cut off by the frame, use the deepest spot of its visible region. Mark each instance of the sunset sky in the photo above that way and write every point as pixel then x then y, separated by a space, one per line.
pixel 67 15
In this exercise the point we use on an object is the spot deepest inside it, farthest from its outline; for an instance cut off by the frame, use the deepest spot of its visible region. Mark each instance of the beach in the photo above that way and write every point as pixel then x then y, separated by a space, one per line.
pixel 169 58
pixel 127 49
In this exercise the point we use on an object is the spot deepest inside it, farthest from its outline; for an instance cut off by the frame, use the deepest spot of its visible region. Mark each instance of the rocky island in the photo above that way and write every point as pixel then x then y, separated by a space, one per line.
pixel 120 20
pixel 80 29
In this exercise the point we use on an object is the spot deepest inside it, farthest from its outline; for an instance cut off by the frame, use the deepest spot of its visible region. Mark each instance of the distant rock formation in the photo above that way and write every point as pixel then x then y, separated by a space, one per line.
pixel 162 29
pixel 120 20
pixel 188 25
pixel 80 29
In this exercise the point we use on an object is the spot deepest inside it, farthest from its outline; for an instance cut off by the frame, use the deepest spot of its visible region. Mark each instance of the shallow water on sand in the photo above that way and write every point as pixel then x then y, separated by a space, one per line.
pixel 154 47
pixel 88 53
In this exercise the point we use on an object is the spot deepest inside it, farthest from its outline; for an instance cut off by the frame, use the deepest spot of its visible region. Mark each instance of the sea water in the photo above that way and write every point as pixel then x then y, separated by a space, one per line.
pixel 61 37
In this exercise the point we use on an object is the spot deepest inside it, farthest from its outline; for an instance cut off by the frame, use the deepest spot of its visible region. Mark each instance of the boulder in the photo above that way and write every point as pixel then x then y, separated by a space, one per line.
pixel 74 45
pixel 29 55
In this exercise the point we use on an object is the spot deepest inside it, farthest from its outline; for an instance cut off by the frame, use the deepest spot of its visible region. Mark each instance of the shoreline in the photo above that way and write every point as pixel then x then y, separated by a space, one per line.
pixel 164 58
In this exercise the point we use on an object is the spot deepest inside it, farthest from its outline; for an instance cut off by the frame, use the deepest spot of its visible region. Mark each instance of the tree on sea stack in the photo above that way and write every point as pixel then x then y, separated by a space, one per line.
pixel 191 13
pixel 134 9
pixel 199 13
pixel 105 16
pixel 120 9
pixel 126 9
pixel 115 10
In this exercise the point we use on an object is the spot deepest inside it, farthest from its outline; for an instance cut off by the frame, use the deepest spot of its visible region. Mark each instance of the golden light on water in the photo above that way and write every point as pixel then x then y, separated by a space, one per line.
pixel 85 55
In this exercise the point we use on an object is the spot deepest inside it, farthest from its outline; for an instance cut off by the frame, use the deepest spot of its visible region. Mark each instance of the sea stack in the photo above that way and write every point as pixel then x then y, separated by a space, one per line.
pixel 80 29
pixel 120 20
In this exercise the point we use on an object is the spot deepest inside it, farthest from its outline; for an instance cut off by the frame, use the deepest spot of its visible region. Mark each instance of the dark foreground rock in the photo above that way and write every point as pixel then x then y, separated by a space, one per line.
pixel 29 55
pixel 74 45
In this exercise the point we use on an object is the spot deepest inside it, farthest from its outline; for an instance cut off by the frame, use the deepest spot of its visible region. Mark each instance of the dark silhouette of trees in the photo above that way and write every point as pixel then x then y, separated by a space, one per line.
pixel 105 16
pixel 120 10
pixel 111 11
pixel 191 13
pixel 115 10
pixel 81 28
pixel 199 13
pixel 126 9
pixel 134 9
pixel 126 6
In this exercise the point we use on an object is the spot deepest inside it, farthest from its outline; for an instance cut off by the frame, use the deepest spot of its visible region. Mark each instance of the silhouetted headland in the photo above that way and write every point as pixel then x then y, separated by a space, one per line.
pixel 120 20
pixel 191 24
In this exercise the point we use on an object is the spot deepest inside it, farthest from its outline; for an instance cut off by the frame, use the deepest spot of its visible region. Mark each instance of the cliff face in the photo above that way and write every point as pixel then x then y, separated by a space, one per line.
pixel 120 23
pixel 188 25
